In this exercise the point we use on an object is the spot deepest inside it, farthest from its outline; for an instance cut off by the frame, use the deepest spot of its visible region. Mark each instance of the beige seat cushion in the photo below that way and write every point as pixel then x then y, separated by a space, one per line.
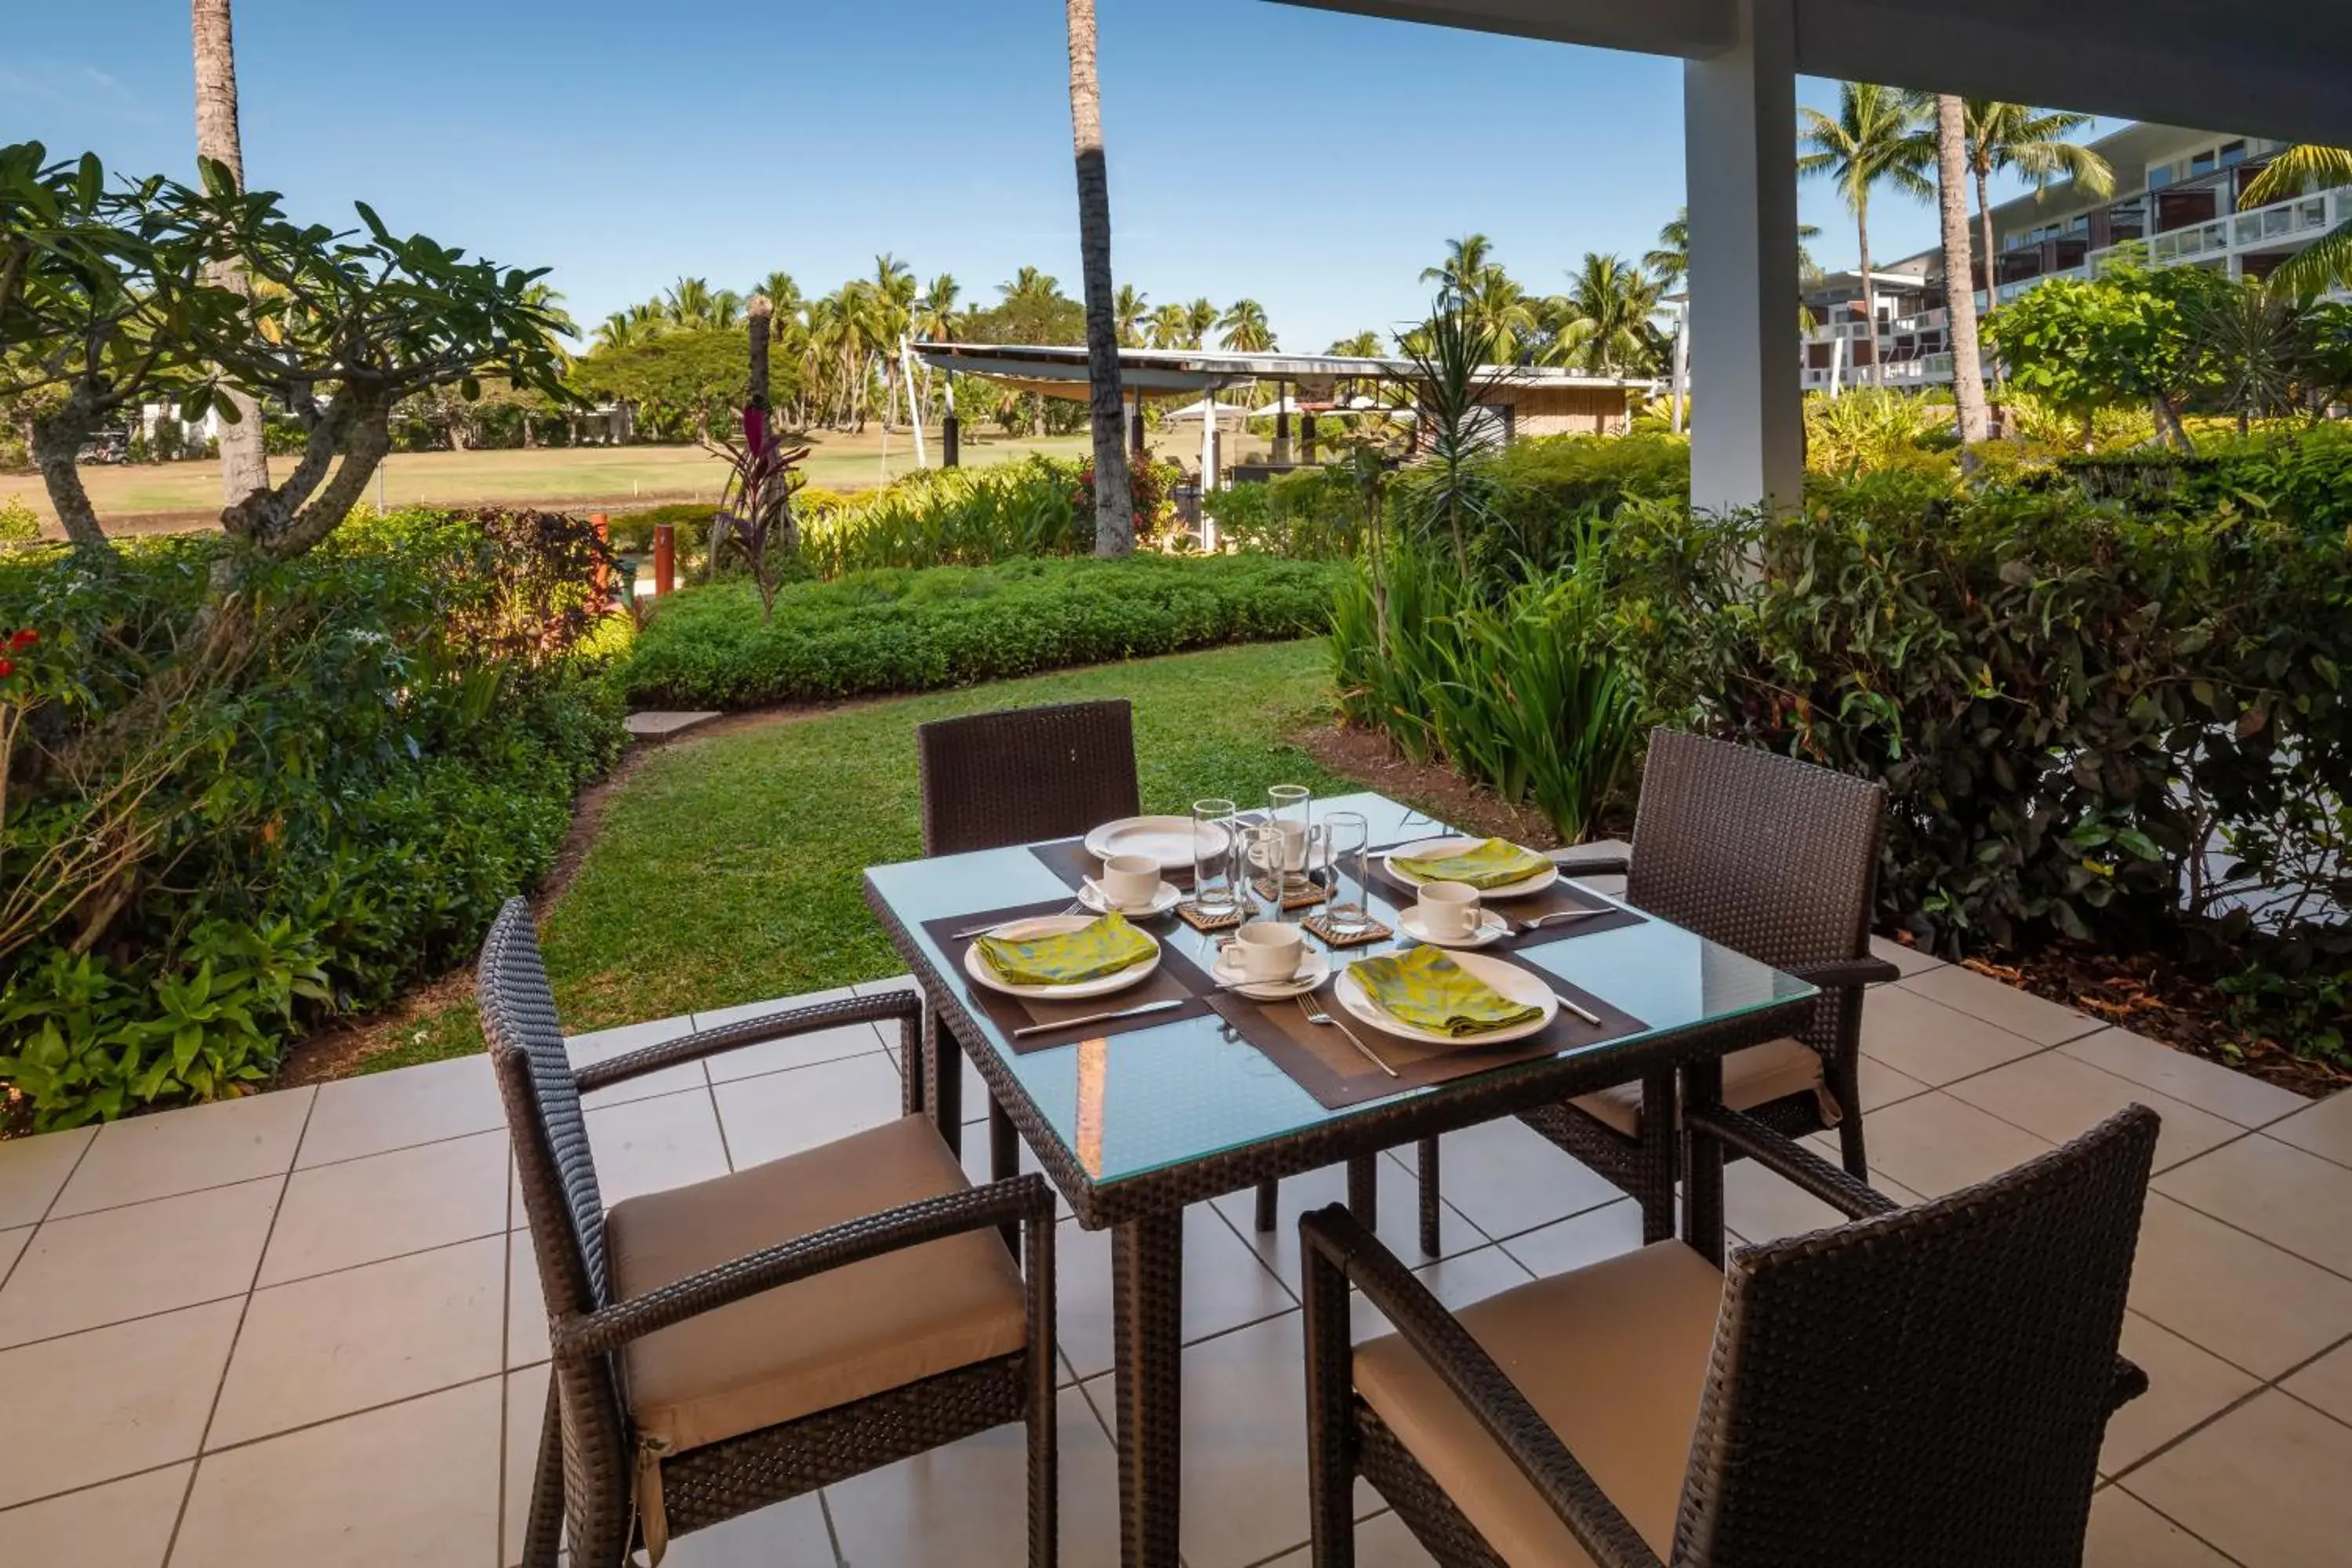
pixel 1756 1076
pixel 1612 1357
pixel 822 1341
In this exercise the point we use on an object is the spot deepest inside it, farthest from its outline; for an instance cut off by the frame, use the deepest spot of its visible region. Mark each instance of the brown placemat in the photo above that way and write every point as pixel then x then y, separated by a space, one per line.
pixel 1178 979
pixel 1558 898
pixel 1318 1058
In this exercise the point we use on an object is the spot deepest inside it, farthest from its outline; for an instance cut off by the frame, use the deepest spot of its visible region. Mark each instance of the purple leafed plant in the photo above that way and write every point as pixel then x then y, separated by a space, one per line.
pixel 755 514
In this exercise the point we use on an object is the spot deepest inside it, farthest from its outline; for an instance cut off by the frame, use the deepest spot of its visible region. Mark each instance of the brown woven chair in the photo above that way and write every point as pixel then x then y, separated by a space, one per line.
pixel 1771 858
pixel 1925 1388
pixel 727 1345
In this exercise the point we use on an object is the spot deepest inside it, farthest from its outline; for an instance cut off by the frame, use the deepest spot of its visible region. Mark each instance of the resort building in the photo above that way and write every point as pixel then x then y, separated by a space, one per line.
pixel 2177 192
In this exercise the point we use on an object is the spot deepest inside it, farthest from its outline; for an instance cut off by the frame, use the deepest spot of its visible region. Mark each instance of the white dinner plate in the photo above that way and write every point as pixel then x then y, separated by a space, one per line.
pixel 1518 984
pixel 1321 859
pixel 1054 925
pixel 1314 969
pixel 1454 845
pixel 1492 928
pixel 1167 896
pixel 1167 839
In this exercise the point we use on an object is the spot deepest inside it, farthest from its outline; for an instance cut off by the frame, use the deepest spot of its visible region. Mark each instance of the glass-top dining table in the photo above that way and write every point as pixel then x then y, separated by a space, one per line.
pixel 1135 1119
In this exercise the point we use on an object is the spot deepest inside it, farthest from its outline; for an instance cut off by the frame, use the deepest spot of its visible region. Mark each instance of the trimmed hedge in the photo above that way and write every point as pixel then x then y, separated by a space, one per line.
pixel 898 631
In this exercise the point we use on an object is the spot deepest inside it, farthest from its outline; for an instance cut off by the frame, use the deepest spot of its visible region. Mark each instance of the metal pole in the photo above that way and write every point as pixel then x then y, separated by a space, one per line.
pixel 914 407
pixel 1682 364
pixel 1208 466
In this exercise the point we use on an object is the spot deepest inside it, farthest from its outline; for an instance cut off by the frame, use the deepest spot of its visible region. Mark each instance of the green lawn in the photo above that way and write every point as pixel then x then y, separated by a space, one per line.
pixel 727 869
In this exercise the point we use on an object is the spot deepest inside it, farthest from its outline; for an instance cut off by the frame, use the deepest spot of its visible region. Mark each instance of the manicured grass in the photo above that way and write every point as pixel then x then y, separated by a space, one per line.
pixel 727 870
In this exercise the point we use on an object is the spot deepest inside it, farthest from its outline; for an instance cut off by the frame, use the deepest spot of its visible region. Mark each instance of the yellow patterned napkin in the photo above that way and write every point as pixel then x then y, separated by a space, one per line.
pixel 1497 863
pixel 1096 948
pixel 1430 991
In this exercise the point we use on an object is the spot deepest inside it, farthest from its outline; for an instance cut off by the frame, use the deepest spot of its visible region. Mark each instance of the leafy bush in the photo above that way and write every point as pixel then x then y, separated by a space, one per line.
pixel 1313 514
pixel 335 805
pixel 968 517
pixel 899 630
pixel 19 524
pixel 1871 428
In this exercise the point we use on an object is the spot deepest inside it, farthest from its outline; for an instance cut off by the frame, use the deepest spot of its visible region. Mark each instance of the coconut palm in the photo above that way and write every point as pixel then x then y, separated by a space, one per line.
pixel 2032 143
pixel 1951 173
pixel 1168 325
pixel 615 333
pixel 781 292
pixel 1465 259
pixel 937 320
pixel 1603 327
pixel 1244 327
pixel 1875 139
pixel 2327 264
pixel 1114 501
pixel 895 296
pixel 1200 318
pixel 1669 263
pixel 245 462
pixel 1127 309
pixel 1031 285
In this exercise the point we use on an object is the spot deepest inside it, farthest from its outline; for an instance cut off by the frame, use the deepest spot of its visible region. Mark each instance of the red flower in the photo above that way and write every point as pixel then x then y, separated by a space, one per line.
pixel 7 667
pixel 25 638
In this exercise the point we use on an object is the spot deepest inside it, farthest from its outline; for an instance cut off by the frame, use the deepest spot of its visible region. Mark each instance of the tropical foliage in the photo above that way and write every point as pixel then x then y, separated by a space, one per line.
pixel 1875 139
pixel 2327 262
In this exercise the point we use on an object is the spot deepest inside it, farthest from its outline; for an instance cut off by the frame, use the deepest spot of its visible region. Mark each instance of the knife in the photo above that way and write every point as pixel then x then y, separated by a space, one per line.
pixel 1098 1018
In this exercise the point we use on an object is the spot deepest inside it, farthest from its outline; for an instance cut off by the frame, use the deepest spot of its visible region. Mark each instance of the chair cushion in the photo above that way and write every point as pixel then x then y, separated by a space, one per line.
pixel 819 1342
pixel 1612 1357
pixel 1756 1076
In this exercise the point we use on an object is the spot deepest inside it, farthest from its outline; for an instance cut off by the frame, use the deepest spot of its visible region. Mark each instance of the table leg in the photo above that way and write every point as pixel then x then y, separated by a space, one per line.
pixel 1003 1164
pixel 1147 1261
pixel 1661 1142
pixel 1364 1190
pixel 1702 1178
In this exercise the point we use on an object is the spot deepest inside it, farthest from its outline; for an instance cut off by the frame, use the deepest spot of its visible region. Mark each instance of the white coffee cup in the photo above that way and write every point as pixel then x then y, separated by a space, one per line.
pixel 1295 838
pixel 1269 950
pixel 1130 882
pixel 1449 908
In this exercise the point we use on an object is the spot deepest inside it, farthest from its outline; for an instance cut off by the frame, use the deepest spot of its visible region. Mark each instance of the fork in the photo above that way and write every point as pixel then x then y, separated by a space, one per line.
pixel 1314 1016
pixel 983 931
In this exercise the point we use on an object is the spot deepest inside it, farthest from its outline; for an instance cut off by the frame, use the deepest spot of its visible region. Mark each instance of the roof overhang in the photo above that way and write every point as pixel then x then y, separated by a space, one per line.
pixel 1056 370
pixel 2278 70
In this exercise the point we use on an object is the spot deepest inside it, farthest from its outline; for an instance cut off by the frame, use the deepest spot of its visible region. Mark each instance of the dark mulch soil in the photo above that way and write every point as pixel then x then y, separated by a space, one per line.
pixel 1374 759
pixel 2153 998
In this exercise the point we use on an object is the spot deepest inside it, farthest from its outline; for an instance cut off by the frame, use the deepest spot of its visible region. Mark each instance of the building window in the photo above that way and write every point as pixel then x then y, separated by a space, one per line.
pixel 2233 153
pixel 2200 165
pixel 2159 176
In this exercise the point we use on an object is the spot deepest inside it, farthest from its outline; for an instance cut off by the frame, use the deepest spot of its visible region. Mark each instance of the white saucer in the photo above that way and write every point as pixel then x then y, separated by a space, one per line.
pixel 1054 925
pixel 1166 897
pixel 1314 969
pixel 1492 927
pixel 1454 845
pixel 1519 985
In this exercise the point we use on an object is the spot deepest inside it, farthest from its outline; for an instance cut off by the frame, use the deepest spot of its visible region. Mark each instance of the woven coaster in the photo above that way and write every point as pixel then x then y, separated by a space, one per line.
pixel 1191 915
pixel 1302 895
pixel 1321 926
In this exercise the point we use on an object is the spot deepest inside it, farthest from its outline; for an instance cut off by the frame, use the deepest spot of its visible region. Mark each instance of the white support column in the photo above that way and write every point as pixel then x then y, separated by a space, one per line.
pixel 1208 467
pixel 1739 124
pixel 1682 366
pixel 914 403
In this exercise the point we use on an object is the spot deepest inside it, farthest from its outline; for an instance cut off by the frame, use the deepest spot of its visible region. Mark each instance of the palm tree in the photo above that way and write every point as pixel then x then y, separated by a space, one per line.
pixel 781 292
pixel 1363 345
pixel 1128 310
pixel 937 320
pixel 1168 326
pixel 1200 318
pixel 617 331
pixel 1603 324
pixel 2003 136
pixel 2328 261
pixel 1114 501
pixel 1669 264
pixel 1875 139
pixel 1465 259
pixel 1951 178
pixel 1244 327
pixel 245 461
pixel 1029 284
pixel 895 295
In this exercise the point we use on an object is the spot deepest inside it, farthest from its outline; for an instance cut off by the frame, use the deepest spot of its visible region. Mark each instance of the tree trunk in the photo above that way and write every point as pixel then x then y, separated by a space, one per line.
pixel 1991 261
pixel 1968 363
pixel 1869 302
pixel 244 458
pixel 1114 499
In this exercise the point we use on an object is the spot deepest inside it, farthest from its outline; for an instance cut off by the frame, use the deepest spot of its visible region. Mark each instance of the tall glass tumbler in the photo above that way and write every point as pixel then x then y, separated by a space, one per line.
pixel 1287 813
pixel 1216 852
pixel 1350 838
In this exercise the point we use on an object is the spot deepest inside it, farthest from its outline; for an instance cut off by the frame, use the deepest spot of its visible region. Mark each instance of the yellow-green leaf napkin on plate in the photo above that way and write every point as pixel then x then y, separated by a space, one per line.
pixel 1096 948
pixel 1497 863
pixel 1430 991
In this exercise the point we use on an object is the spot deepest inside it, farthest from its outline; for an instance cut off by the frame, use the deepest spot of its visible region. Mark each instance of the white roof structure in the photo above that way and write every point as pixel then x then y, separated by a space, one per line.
pixel 1201 409
pixel 1060 371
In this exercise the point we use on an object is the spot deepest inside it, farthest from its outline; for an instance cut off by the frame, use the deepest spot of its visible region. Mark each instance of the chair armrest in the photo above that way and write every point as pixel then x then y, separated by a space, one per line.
pixel 904 1005
pixel 1572 864
pixel 1845 973
pixel 1484 1388
pixel 911 1225
pixel 1786 1157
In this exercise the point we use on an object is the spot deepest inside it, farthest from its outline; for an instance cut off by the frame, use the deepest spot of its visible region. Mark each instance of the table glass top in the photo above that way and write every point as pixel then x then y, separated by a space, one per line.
pixel 1149 1099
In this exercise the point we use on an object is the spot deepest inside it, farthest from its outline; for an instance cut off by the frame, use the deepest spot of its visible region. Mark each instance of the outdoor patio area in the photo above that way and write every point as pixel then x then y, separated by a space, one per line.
pixel 305 1328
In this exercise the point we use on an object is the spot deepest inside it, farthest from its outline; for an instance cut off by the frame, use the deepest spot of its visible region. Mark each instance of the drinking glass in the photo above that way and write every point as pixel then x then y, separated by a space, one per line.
pixel 1287 813
pixel 1350 838
pixel 1216 849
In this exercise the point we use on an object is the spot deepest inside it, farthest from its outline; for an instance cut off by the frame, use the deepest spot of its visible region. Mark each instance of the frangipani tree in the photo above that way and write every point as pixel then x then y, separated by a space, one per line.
pixel 108 302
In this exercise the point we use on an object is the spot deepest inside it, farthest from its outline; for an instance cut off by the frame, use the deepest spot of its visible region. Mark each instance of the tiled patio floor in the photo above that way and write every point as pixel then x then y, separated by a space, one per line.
pixel 303 1329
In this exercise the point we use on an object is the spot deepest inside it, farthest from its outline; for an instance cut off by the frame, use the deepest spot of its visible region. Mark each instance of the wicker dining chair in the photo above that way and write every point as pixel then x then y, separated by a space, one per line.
pixel 1925 1386
pixel 727 1345
pixel 1771 858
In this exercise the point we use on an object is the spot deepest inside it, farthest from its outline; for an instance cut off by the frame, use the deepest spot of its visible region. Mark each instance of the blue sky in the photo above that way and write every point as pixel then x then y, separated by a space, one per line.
pixel 1313 161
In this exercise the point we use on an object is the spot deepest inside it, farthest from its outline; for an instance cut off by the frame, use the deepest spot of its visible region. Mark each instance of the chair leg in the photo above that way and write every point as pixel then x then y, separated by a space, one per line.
pixel 1045 1441
pixel 1845 1087
pixel 943 1060
pixel 1658 1161
pixel 1364 1191
pixel 1003 1164
pixel 914 1062
pixel 1269 1201
pixel 542 1536
pixel 1430 1202
pixel 1330 1412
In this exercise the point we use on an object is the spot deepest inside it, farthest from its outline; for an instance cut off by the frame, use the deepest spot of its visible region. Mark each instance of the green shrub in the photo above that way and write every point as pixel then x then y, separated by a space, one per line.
pixel 333 807
pixel 1313 514
pixel 19 524
pixel 899 630
pixel 953 517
